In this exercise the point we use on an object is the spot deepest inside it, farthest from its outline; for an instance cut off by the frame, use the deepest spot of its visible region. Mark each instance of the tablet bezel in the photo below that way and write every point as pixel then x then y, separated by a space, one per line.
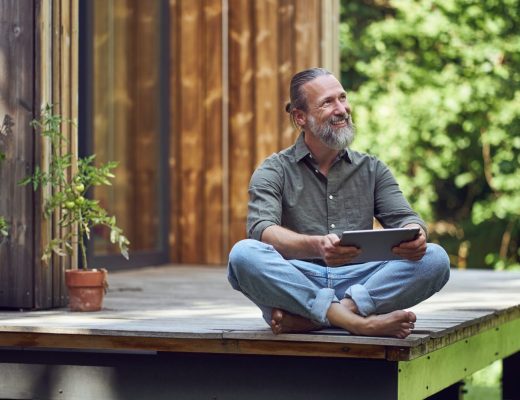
pixel 377 244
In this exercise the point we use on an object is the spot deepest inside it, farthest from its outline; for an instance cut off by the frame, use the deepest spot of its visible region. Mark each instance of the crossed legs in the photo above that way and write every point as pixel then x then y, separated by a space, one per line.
pixel 370 302
pixel 397 323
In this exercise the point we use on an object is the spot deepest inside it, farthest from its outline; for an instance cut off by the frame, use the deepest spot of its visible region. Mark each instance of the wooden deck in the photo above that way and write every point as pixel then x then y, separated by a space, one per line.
pixel 473 321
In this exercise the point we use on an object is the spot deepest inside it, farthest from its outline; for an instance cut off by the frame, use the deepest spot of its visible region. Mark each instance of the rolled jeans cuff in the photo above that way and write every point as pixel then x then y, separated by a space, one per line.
pixel 361 297
pixel 321 305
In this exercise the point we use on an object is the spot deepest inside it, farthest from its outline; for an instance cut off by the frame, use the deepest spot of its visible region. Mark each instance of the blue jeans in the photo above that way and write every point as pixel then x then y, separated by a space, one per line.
pixel 303 288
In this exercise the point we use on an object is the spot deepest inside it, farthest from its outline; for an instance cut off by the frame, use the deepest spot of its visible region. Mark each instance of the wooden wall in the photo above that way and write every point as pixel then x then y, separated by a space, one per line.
pixel 16 107
pixel 38 65
pixel 231 64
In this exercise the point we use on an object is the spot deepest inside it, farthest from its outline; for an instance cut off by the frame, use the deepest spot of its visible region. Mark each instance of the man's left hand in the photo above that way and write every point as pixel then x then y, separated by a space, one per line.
pixel 413 250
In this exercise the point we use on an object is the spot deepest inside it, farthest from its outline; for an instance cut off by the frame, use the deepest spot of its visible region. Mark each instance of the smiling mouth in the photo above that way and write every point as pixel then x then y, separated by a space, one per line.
pixel 340 121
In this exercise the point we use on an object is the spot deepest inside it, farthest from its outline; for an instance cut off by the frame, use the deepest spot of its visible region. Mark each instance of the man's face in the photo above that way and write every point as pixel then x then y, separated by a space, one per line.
pixel 328 116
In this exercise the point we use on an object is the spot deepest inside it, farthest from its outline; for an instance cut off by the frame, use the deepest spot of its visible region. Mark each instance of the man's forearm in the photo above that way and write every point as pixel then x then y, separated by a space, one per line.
pixel 290 244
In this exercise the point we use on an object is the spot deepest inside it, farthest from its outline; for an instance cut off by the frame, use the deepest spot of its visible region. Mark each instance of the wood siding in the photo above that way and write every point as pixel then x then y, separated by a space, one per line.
pixel 38 43
pixel 225 122
pixel 230 63
pixel 16 110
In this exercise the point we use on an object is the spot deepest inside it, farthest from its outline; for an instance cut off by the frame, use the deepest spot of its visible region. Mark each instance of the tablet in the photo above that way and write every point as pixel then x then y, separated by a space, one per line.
pixel 377 244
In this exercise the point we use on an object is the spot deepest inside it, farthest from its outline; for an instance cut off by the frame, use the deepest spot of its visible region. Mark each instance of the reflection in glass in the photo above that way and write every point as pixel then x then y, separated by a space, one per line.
pixel 126 117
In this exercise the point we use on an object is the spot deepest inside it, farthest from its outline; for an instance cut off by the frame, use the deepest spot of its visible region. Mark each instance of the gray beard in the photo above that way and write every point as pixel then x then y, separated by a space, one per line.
pixel 336 139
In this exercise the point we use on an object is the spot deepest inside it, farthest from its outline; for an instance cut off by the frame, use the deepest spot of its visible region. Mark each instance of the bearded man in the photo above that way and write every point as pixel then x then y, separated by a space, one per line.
pixel 301 199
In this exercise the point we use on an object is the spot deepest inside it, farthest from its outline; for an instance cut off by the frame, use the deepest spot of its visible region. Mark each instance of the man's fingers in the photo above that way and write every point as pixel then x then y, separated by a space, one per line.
pixel 341 255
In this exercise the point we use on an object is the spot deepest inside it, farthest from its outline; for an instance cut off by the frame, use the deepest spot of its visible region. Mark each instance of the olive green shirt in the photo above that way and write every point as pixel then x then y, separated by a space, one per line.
pixel 288 190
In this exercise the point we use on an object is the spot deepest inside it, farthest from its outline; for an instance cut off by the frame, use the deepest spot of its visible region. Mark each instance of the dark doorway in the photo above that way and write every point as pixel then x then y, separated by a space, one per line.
pixel 123 116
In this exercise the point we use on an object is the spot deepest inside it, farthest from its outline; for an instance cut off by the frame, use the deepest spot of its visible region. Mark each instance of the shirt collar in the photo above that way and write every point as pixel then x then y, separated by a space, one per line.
pixel 302 151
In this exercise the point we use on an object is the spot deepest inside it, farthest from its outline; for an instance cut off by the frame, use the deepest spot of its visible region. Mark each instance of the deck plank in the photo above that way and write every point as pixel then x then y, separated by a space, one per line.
pixel 192 308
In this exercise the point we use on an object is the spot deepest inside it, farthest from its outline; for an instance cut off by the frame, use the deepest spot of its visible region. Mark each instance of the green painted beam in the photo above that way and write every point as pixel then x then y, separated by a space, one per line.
pixel 426 375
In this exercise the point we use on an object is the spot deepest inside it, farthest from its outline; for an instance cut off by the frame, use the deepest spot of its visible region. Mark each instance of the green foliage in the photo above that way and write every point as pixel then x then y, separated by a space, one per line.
pixel 435 93
pixel 4 227
pixel 67 199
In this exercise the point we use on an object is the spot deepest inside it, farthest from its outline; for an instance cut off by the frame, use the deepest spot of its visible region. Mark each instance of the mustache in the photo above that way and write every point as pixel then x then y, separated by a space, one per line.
pixel 340 118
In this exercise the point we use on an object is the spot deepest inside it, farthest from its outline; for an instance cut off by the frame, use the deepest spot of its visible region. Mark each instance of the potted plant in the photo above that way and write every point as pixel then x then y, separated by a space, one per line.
pixel 75 212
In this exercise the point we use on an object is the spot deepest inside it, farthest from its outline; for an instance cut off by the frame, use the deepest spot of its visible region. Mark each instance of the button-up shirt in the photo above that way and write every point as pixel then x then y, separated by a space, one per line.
pixel 289 190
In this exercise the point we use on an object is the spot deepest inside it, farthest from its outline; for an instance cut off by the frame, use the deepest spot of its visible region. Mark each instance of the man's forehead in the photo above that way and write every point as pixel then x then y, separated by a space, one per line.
pixel 323 86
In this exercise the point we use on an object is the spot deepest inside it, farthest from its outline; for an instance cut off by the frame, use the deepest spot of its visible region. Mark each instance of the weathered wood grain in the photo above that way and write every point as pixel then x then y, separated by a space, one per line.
pixel 266 80
pixel 192 129
pixel 16 141
pixel 241 112
pixel 175 179
pixel 266 42
pixel 307 34
pixel 213 251
pixel 43 95
pixel 286 69
pixel 162 309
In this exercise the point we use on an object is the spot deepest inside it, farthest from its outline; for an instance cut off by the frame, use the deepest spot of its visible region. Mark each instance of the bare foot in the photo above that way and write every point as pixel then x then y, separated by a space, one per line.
pixel 285 322
pixel 397 324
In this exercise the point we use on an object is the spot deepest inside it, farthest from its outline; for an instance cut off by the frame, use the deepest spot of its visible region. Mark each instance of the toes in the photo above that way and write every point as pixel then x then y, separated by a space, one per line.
pixel 411 317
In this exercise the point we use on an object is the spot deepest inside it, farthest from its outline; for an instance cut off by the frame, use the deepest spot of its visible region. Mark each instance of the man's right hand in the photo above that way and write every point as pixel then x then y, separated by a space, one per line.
pixel 335 255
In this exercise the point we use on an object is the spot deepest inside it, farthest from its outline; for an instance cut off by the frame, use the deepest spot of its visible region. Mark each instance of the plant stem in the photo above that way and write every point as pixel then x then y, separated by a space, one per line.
pixel 83 252
pixel 81 242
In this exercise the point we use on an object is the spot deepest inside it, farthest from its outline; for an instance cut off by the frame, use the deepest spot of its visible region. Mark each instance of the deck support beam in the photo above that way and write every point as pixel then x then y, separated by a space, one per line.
pixel 428 374
pixel 52 374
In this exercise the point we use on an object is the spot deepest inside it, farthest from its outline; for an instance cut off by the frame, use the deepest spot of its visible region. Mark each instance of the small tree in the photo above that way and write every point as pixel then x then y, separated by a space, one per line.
pixel 76 212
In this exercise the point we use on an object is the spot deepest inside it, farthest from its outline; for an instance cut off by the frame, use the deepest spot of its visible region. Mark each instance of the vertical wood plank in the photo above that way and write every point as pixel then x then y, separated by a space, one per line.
pixel 191 126
pixel 268 41
pixel 286 69
pixel 63 27
pixel 56 263
pixel 330 10
pixel 16 141
pixel 174 150
pixel 307 33
pixel 213 171
pixel 241 113
pixel 73 98
pixel 43 95
pixel 266 79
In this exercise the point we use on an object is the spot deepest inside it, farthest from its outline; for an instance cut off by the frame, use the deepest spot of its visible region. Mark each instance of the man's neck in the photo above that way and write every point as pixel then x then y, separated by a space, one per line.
pixel 323 155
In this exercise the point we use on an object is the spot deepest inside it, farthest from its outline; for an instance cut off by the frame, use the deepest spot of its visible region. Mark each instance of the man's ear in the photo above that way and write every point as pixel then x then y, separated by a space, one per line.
pixel 300 117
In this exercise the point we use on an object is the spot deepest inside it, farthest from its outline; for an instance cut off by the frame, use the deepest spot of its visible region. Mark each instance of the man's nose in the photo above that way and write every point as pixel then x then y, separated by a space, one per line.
pixel 342 107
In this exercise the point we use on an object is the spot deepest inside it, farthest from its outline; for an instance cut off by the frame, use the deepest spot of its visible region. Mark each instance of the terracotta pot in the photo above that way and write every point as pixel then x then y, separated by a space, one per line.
pixel 86 289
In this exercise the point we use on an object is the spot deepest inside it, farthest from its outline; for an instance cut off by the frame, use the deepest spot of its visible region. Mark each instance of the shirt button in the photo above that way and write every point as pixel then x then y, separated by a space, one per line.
pixel 332 226
pixel 316 171
pixel 331 197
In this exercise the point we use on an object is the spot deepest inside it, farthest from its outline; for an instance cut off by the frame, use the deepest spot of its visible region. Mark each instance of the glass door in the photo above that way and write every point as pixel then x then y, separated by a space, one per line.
pixel 124 118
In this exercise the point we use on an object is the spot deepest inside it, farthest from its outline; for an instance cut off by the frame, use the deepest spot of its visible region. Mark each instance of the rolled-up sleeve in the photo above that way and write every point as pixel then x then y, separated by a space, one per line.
pixel 391 208
pixel 265 198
